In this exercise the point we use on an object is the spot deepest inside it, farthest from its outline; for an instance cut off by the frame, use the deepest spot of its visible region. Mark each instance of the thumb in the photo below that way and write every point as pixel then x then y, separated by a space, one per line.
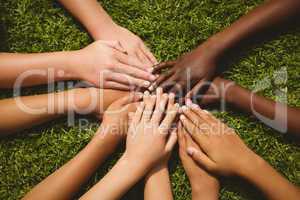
pixel 200 158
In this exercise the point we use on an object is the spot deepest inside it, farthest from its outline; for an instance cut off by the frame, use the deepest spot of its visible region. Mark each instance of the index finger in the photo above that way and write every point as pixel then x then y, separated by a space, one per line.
pixel 163 65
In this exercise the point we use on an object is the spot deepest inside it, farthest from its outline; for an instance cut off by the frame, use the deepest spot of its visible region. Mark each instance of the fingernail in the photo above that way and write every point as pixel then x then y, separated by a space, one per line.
pixel 191 151
pixel 171 95
pixel 159 90
pixel 150 69
pixel 182 117
pixel 184 108
pixel 165 95
pixel 177 105
pixel 151 88
pixel 146 83
pixel 189 102
pixel 146 93
pixel 195 106
pixel 152 77
pixel 206 111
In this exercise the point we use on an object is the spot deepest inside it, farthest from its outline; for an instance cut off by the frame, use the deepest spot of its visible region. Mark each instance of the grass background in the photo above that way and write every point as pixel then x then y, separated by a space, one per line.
pixel 170 28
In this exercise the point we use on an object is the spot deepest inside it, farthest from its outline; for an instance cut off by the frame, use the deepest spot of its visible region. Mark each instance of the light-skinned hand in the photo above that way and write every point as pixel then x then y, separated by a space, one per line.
pixel 204 185
pixel 132 44
pixel 106 65
pixel 149 139
pixel 115 118
pixel 221 151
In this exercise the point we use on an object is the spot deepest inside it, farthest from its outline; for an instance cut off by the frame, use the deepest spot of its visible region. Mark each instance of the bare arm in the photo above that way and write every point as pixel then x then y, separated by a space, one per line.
pixel 25 112
pixel 150 144
pixel 219 148
pixel 39 68
pixel 66 181
pixel 271 14
pixel 103 64
pixel 100 25
pixel 157 184
pixel 157 181
pixel 91 14
pixel 277 115
pixel 200 65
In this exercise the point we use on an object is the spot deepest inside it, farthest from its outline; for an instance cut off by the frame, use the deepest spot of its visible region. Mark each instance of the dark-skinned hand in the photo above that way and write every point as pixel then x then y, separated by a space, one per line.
pixel 187 76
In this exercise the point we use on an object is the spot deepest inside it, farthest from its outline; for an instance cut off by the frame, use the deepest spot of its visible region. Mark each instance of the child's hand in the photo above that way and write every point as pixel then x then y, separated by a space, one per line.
pixel 196 67
pixel 106 65
pixel 132 44
pixel 148 138
pixel 115 118
pixel 222 151
pixel 202 183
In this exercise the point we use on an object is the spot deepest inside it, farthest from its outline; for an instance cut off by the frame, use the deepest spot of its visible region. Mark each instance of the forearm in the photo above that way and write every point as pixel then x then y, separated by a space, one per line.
pixel 25 112
pixel 118 181
pixel 281 115
pixel 34 69
pixel 271 14
pixel 66 181
pixel 270 182
pixel 158 185
pixel 90 14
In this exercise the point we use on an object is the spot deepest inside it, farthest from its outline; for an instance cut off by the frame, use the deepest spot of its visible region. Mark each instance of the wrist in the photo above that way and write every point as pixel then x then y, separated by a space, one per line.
pixel 206 191
pixel 137 169
pixel 159 169
pixel 201 185
pixel 251 166
pixel 142 163
pixel 104 29
pixel 228 90
pixel 212 48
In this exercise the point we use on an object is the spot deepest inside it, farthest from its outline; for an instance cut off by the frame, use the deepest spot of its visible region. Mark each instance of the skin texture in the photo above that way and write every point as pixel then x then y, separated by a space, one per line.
pixel 157 181
pixel 204 185
pixel 101 27
pixel 147 138
pixel 66 181
pixel 103 64
pixel 218 148
pixel 190 73
pixel 46 107
pixel 284 118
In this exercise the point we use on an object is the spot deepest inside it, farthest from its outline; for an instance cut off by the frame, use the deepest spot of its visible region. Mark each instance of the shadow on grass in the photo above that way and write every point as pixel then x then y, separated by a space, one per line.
pixel 244 48
pixel 3 38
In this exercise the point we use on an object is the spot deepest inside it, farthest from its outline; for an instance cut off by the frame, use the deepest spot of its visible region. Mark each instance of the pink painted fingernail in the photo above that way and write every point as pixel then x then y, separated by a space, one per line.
pixel 152 77
pixel 191 151
pixel 195 105
pixel 171 95
pixel 189 102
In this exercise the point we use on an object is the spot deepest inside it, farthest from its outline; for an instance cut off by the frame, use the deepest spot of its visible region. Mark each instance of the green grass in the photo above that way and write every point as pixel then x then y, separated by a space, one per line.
pixel 170 28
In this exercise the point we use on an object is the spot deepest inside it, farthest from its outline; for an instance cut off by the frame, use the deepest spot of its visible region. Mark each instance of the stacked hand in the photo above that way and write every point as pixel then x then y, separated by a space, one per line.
pixel 106 65
pixel 219 145
pixel 149 134
pixel 188 75
pixel 132 44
